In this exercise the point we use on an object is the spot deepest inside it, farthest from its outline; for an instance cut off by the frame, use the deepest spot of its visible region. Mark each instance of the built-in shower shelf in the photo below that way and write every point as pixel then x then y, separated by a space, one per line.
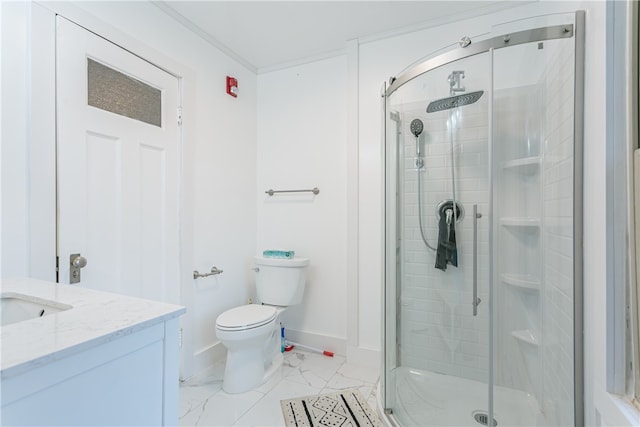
pixel 520 281
pixel 526 166
pixel 526 336
pixel 522 222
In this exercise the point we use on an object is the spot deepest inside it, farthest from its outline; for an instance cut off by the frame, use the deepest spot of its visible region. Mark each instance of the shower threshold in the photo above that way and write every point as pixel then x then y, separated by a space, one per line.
pixel 426 398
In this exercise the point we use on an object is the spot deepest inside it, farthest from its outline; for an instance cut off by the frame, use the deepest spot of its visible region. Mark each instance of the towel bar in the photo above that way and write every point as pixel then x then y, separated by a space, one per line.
pixel 314 190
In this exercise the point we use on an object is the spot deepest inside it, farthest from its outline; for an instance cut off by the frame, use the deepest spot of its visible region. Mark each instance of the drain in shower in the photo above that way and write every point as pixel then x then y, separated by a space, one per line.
pixel 482 417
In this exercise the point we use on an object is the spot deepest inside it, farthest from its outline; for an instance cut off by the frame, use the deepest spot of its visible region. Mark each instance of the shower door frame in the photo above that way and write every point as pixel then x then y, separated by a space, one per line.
pixel 390 309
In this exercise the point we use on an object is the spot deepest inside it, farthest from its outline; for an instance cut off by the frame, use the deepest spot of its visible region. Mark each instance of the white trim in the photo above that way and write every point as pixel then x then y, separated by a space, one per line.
pixel 618 263
pixel 302 61
pixel 364 356
pixel 353 148
pixel 243 61
pixel 615 410
pixel 205 358
pixel 203 35
pixel 41 140
pixel 323 342
pixel 428 23
pixel 634 193
pixel 431 23
pixel 612 401
pixel 439 21
pixel 1 102
pixel 634 254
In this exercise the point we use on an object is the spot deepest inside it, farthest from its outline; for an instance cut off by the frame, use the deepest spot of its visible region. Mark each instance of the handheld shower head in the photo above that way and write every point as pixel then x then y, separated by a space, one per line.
pixel 416 127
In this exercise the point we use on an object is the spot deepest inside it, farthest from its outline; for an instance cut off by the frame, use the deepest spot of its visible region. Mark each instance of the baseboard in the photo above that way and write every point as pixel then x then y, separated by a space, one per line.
pixel 363 356
pixel 355 355
pixel 322 342
pixel 206 357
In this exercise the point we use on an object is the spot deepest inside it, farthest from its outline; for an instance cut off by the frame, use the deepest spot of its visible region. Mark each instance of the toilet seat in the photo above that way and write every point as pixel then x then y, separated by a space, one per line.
pixel 246 317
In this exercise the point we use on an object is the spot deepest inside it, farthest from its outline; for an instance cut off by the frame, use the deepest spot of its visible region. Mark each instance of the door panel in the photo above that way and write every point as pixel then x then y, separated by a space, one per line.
pixel 118 171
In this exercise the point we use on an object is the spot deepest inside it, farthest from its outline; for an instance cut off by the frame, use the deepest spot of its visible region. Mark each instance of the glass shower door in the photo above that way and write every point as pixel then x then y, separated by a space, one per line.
pixel 438 254
pixel 534 222
pixel 483 292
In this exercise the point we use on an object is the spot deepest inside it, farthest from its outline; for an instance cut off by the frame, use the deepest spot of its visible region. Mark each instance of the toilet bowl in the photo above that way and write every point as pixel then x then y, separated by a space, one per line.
pixel 251 333
pixel 248 332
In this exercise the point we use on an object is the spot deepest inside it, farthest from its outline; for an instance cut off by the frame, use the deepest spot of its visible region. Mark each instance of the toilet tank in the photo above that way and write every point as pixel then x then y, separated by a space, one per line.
pixel 281 281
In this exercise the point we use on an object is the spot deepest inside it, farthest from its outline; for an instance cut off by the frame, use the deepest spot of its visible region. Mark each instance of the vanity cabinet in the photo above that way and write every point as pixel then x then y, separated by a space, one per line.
pixel 73 369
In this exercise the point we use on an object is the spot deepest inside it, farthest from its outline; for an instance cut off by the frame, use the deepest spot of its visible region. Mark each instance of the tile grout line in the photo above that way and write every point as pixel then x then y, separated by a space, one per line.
pixel 256 403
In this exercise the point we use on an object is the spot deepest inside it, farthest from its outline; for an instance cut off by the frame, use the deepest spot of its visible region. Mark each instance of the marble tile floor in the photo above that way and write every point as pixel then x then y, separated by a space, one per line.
pixel 204 403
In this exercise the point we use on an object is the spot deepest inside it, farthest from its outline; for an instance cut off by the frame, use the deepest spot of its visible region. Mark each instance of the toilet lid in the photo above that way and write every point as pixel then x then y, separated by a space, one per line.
pixel 246 317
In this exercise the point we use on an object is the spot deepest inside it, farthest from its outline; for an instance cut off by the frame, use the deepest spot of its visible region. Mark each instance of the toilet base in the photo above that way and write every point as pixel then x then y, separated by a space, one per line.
pixel 245 371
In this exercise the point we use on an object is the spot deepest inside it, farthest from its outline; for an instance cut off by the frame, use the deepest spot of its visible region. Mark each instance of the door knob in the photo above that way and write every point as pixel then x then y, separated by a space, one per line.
pixel 77 262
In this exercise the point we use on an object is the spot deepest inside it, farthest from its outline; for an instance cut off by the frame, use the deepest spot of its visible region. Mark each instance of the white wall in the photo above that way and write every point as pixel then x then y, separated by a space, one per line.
pixel 14 151
pixel 302 130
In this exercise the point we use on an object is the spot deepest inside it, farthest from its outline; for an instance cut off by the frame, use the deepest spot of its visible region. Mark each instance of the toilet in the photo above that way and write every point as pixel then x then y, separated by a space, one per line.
pixel 251 333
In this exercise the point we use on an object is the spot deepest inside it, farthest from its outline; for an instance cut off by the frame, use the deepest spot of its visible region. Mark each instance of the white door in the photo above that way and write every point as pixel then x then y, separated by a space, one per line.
pixel 118 168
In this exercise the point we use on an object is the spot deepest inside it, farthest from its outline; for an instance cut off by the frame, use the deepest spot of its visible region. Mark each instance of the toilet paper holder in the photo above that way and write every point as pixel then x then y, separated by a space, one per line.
pixel 214 270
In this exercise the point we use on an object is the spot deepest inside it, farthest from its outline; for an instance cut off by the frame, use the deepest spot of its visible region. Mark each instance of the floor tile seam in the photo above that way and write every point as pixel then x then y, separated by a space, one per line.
pixel 366 382
pixel 264 395
pixel 199 404
pixel 331 378
pixel 192 409
pixel 213 394
pixel 201 407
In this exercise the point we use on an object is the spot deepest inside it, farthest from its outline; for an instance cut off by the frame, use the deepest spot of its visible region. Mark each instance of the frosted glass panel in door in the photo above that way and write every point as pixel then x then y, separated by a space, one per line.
pixel 113 91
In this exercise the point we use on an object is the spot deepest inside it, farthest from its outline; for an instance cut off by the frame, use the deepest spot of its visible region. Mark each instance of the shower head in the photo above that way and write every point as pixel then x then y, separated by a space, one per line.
pixel 416 127
pixel 453 101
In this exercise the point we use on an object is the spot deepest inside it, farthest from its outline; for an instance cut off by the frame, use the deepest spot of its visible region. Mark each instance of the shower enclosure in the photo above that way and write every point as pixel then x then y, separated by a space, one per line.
pixel 483 226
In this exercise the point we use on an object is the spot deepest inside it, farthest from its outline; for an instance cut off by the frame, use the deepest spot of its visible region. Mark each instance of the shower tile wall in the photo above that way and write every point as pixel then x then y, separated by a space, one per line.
pixel 557 314
pixel 438 330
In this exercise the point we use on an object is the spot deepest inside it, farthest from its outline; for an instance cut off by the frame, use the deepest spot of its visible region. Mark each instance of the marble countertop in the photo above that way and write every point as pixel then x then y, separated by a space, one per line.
pixel 95 318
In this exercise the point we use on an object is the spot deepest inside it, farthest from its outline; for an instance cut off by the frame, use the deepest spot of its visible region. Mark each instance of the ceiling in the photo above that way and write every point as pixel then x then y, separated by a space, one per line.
pixel 265 35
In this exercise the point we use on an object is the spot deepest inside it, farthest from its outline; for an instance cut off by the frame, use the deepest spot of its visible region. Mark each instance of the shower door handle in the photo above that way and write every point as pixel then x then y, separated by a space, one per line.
pixel 476 300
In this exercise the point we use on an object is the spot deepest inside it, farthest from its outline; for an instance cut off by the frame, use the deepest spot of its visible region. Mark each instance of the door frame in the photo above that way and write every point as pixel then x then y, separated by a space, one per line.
pixel 43 153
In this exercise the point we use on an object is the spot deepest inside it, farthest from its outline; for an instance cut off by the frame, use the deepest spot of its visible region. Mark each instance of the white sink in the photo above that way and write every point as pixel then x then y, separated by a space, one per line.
pixel 15 307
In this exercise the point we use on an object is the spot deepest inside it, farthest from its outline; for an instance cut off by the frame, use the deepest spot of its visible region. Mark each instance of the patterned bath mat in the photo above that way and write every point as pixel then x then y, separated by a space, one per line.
pixel 343 409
